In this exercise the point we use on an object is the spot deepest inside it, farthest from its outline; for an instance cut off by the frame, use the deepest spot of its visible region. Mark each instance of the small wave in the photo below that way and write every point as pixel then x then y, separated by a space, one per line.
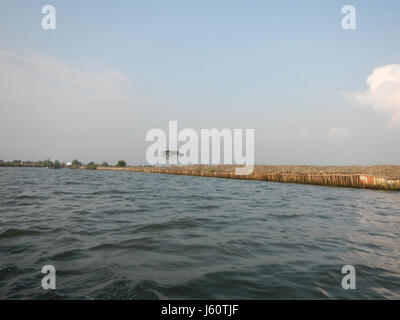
pixel 145 243
pixel 28 197
pixel 109 192
pixel 208 206
pixel 185 223
pixel 68 255
pixel 9 233
pixel 122 289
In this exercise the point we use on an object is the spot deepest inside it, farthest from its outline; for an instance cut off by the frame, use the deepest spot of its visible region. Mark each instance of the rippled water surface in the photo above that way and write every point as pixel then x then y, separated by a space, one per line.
pixel 125 235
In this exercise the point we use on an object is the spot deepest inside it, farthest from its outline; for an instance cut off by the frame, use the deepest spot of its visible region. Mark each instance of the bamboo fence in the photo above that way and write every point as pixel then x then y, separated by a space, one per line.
pixel 365 181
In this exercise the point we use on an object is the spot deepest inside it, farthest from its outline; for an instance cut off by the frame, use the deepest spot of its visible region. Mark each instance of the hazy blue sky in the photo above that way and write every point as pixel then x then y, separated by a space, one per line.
pixel 112 70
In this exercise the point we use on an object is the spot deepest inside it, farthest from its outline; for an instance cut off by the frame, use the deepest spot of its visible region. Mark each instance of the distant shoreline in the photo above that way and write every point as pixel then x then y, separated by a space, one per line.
pixel 378 177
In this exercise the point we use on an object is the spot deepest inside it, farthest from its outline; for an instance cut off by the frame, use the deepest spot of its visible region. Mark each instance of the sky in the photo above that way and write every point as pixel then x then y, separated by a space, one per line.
pixel 112 70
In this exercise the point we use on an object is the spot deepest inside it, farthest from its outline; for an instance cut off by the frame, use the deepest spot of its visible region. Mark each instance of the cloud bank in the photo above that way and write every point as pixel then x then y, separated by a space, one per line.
pixel 53 108
pixel 339 133
pixel 38 79
pixel 383 92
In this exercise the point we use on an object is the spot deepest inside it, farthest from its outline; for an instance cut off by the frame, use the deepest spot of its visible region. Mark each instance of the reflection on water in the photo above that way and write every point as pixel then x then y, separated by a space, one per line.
pixel 124 235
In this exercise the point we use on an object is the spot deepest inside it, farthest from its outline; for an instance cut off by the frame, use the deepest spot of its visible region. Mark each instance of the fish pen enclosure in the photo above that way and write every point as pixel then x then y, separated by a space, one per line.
pixel 354 180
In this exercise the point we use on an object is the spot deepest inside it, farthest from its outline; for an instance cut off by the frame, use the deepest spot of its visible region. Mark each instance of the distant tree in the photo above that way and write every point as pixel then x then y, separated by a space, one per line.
pixel 104 164
pixel 121 163
pixel 17 163
pixel 57 164
pixel 91 166
pixel 76 163
pixel 47 163
pixel 42 163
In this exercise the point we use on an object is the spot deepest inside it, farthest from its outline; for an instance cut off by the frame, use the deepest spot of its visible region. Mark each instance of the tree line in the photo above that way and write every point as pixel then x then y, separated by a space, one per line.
pixel 57 164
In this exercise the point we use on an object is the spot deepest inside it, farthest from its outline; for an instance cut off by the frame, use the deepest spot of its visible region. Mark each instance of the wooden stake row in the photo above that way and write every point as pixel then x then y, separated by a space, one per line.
pixel 333 180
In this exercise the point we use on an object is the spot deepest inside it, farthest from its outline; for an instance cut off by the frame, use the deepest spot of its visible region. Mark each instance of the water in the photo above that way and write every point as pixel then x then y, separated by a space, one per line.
pixel 125 235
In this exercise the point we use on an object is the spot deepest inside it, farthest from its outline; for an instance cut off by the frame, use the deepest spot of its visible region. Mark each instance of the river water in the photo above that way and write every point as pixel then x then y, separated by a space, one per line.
pixel 126 235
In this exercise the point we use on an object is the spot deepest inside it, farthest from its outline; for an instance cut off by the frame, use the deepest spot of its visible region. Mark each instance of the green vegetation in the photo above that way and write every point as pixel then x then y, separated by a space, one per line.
pixel 33 164
pixel 76 163
pixel 121 164
pixel 46 163
pixel 91 166
pixel 57 165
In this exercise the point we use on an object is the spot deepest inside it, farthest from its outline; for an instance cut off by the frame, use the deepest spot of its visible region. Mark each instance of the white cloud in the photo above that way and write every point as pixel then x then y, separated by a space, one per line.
pixel 52 108
pixel 338 133
pixel 304 134
pixel 383 92
pixel 36 79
